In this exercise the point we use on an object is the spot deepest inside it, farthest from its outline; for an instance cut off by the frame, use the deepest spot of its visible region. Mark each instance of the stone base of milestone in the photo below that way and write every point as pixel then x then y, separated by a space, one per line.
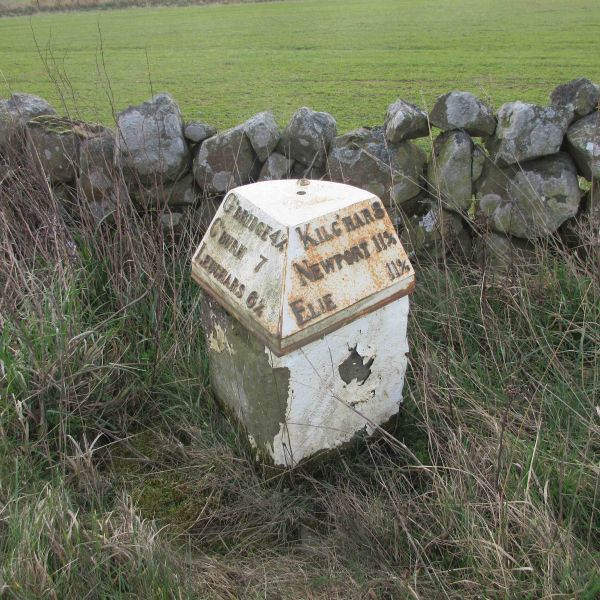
pixel 305 312
pixel 314 399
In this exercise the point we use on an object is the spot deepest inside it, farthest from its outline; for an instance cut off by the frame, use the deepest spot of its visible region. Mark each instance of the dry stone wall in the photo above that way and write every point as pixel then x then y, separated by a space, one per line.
pixel 522 172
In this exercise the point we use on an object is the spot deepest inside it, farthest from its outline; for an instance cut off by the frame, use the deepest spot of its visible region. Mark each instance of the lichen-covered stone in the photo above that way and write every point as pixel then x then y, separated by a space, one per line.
pixel 177 194
pixel 97 174
pixel 392 172
pixel 583 142
pixel 405 121
pixel 450 170
pixel 54 141
pixel 500 253
pixel 581 233
pixel 198 131
pixel 203 214
pixel 591 202
pixel 172 223
pixel 416 206
pixel 480 157
pixel 264 134
pixel 16 111
pixel 462 110
pixel 533 200
pixel 300 171
pixel 436 233
pixel 102 211
pixel 225 161
pixel 580 96
pixel 360 137
pixel 308 137
pixel 150 145
pixel 527 131
pixel 277 166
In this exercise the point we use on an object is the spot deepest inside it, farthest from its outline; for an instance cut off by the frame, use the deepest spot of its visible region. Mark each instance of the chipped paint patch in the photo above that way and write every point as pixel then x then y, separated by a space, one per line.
pixel 324 411
pixel 217 341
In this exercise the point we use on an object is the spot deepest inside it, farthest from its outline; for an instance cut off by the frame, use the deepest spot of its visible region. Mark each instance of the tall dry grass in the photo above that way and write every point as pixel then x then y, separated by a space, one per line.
pixel 120 479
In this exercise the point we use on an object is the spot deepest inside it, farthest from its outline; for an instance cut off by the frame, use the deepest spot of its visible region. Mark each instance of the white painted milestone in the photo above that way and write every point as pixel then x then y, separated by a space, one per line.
pixel 313 273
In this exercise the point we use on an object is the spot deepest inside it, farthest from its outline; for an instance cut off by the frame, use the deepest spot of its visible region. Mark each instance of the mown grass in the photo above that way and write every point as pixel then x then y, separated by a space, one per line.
pixel 120 479
pixel 348 57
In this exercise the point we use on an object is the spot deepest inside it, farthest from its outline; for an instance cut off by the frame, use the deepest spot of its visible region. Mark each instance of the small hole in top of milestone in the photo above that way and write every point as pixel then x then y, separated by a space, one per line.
pixel 301 193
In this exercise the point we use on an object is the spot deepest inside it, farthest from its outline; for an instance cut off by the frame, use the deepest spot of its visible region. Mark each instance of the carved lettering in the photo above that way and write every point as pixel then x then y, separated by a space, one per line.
pixel 215 227
pixel 383 240
pixel 378 210
pixel 306 311
pixel 263 260
pixel 305 237
pixel 254 302
pixel 348 237
pixel 252 223
pixel 321 234
pixel 231 244
pixel 311 272
pixel 230 203
pixel 226 279
pixel 397 268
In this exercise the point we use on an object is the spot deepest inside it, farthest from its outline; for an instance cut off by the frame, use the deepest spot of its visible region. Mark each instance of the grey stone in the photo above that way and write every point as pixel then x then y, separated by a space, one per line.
pixel 392 172
pixel 580 96
pixel 527 131
pixel 172 223
pixel 480 157
pixel 436 233
pixel 177 194
pixel 533 200
pixel 277 166
pixel 150 145
pixel 404 121
pixel 501 253
pixel 450 170
pixel 26 106
pixel 300 171
pixel 308 137
pixel 226 160
pixel 102 211
pixel 198 131
pixel 97 175
pixel 416 206
pixel 581 232
pixel 203 215
pixel 462 110
pixel 591 202
pixel 264 134
pixel 360 137
pixel 54 143
pixel 583 143
pixel 16 111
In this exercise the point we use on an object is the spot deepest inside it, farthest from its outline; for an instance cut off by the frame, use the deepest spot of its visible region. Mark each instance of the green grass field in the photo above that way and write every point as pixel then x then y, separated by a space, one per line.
pixel 348 57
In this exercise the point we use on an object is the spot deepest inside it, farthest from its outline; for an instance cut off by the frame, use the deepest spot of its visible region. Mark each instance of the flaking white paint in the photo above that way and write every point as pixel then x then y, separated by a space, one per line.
pixel 217 341
pixel 322 410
